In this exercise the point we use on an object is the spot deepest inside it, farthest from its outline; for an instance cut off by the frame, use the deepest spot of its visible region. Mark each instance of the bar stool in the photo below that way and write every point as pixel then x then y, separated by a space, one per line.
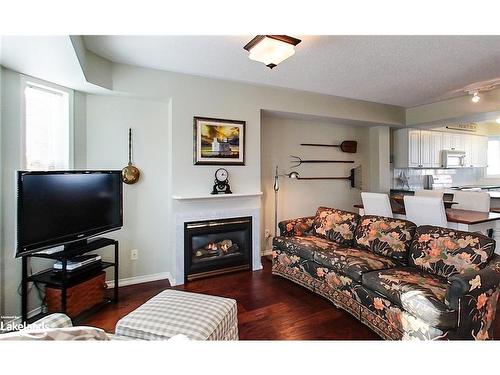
pixel 425 211
pixel 475 201
pixel 376 204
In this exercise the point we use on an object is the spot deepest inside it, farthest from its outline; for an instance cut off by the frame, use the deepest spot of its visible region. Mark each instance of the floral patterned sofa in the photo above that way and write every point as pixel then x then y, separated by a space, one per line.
pixel 402 281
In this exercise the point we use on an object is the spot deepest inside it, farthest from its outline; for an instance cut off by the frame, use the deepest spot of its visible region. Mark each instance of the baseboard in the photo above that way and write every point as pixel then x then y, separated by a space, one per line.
pixel 142 279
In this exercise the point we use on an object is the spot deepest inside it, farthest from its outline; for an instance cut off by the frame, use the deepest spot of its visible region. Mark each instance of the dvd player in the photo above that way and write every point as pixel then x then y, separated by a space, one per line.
pixel 78 262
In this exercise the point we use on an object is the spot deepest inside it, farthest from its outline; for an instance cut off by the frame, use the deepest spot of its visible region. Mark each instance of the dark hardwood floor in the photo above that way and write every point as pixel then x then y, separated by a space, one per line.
pixel 269 308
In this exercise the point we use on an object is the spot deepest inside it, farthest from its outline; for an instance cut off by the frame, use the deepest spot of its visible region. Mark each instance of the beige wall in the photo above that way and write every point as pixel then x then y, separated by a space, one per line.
pixel 456 109
pixel 281 137
pixel 2 261
pixel 379 145
pixel 11 161
pixel 196 96
pixel 145 210
pixel 167 102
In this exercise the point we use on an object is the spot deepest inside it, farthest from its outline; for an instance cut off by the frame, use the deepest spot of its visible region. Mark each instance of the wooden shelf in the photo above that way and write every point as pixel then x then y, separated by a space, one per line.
pixel 216 196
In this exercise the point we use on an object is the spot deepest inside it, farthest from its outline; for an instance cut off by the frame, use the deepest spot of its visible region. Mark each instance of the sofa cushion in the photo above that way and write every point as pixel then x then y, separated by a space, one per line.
pixel 335 225
pixel 417 292
pixel 385 236
pixel 301 226
pixel 352 262
pixel 303 247
pixel 446 252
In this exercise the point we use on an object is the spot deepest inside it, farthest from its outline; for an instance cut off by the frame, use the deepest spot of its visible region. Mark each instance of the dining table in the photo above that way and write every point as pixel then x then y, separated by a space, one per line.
pixel 465 220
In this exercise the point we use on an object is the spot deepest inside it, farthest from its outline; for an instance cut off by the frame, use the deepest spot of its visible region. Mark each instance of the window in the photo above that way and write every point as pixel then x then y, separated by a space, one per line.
pixel 48 131
pixel 493 156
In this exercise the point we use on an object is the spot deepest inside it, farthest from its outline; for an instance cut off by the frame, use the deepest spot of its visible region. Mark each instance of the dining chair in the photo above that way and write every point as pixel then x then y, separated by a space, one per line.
pixel 475 201
pixel 376 204
pixel 425 211
pixel 429 193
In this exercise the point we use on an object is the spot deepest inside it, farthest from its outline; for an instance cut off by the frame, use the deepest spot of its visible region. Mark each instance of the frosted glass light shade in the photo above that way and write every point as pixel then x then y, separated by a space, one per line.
pixel 271 50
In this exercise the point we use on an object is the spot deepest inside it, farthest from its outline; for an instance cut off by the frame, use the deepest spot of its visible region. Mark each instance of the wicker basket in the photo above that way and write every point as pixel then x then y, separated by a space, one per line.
pixel 79 298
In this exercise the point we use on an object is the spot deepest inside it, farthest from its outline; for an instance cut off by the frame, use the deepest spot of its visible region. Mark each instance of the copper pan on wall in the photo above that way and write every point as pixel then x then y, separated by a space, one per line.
pixel 130 174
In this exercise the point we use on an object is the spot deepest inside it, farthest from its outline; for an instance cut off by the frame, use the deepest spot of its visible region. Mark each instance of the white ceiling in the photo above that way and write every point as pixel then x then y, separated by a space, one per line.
pixel 399 70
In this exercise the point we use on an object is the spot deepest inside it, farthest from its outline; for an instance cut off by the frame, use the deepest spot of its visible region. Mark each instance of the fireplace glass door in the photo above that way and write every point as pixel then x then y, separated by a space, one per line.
pixel 217 246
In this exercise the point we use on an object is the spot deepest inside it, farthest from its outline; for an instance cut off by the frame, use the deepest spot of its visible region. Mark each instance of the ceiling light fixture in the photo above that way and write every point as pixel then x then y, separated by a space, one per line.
pixel 271 49
pixel 475 97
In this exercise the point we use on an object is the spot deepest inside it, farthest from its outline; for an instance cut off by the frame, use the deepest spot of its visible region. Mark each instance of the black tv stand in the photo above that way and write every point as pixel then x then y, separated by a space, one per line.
pixel 77 244
pixel 64 279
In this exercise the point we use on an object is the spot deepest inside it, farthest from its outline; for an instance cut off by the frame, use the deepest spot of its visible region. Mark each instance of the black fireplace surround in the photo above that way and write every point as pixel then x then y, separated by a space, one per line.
pixel 213 247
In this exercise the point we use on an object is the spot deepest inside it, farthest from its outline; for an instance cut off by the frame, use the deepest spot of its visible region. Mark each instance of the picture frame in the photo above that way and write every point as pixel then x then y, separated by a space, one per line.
pixel 218 141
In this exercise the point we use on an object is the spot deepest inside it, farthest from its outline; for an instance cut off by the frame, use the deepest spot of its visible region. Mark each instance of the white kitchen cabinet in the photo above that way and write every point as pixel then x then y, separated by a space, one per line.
pixel 469 143
pixel 425 148
pixel 407 148
pixel 476 149
pixel 414 145
pixel 479 151
pixel 416 148
pixel 453 141
pixel 436 148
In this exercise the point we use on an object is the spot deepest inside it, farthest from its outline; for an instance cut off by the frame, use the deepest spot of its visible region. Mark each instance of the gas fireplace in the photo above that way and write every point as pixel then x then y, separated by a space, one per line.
pixel 214 247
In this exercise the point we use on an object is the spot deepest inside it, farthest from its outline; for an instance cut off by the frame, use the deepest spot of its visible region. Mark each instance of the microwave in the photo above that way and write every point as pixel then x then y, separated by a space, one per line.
pixel 453 159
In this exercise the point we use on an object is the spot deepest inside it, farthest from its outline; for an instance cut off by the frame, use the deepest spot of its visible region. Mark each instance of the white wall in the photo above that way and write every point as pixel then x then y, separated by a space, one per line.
pixel 145 208
pixel 11 161
pixel 281 137
pixel 2 262
pixel 162 116
pixel 379 161
pixel 197 96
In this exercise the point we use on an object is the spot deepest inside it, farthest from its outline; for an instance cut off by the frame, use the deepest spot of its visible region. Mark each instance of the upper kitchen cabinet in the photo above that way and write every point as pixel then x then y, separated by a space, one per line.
pixel 476 150
pixel 416 148
pixel 479 151
pixel 453 141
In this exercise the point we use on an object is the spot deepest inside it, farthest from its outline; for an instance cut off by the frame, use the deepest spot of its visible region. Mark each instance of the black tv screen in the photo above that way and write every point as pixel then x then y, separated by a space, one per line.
pixel 56 208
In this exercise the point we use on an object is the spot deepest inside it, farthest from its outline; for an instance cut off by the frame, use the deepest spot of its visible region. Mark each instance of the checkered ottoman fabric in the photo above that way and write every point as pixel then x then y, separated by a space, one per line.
pixel 55 320
pixel 172 312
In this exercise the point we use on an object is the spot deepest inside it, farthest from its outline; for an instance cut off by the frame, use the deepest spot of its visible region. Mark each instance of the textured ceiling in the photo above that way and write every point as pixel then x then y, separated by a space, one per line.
pixel 399 70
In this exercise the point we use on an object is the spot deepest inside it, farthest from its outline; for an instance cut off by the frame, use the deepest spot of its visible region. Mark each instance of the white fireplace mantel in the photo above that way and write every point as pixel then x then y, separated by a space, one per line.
pixel 215 196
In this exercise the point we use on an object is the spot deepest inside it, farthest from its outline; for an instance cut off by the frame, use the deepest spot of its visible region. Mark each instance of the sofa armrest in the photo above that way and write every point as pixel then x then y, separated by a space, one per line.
pixel 473 282
pixel 296 227
pixel 56 320
pixel 474 294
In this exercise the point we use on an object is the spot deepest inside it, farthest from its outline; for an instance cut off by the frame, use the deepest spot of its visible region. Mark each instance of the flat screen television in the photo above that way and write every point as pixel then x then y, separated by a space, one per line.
pixel 61 207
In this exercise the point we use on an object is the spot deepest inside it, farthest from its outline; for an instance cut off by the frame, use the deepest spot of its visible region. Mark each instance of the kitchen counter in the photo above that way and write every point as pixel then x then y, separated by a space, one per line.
pixel 484 187
pixel 493 194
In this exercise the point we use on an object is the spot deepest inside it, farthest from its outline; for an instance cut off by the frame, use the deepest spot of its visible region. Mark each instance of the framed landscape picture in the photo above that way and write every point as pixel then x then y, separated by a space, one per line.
pixel 219 142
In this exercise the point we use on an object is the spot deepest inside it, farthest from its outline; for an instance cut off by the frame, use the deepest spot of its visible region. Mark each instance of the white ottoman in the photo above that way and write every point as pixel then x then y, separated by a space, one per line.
pixel 173 312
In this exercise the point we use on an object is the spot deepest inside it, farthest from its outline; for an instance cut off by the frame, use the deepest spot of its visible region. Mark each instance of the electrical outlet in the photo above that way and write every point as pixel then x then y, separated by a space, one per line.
pixel 134 254
pixel 267 233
